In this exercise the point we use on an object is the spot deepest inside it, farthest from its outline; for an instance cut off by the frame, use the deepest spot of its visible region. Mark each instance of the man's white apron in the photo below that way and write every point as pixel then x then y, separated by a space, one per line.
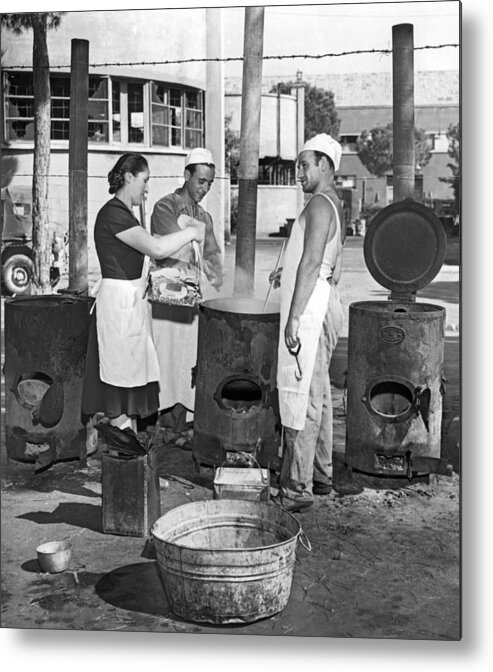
pixel 127 355
pixel 294 394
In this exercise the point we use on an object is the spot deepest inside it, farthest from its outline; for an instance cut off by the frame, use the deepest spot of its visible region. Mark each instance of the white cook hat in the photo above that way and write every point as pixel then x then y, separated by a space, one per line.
pixel 327 145
pixel 199 155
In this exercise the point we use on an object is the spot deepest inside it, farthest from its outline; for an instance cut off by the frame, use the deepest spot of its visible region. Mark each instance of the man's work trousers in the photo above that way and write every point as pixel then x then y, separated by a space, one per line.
pixel 307 453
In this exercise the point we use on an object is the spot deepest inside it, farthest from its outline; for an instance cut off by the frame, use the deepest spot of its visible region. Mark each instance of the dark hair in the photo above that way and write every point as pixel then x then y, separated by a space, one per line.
pixel 193 166
pixel 318 156
pixel 127 163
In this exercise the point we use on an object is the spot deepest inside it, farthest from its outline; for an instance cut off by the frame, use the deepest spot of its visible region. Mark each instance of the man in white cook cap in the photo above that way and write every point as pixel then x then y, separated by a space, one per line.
pixel 175 328
pixel 310 324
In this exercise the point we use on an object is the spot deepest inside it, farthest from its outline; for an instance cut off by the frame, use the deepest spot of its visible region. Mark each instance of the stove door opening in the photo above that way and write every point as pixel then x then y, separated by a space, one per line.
pixel 239 394
pixel 391 399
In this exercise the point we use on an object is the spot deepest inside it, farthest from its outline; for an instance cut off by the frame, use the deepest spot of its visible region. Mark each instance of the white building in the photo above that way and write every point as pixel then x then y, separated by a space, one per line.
pixel 150 91
pixel 281 136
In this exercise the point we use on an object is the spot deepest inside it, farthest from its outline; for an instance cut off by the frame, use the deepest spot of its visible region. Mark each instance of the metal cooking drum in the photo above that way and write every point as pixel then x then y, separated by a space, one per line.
pixel 236 402
pixel 395 350
pixel 45 354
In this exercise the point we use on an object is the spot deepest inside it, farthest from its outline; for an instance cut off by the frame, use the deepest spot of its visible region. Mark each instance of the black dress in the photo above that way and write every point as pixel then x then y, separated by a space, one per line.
pixel 121 262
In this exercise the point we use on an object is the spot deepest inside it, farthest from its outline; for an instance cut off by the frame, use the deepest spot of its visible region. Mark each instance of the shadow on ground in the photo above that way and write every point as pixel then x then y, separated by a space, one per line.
pixel 448 292
pixel 84 516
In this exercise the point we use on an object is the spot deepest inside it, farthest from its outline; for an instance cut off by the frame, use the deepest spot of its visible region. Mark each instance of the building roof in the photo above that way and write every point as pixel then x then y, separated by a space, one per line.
pixel 361 89
pixel 432 118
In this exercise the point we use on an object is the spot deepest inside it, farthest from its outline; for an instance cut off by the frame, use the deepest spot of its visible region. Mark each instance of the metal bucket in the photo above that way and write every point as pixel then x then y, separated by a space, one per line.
pixel 225 561
pixel 236 400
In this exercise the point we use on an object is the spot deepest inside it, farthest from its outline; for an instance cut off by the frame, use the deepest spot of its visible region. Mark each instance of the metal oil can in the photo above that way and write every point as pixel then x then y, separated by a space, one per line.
pixel 130 493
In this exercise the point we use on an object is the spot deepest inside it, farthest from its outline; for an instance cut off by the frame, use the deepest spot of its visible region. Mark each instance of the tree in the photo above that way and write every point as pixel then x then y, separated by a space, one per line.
pixel 39 24
pixel 453 136
pixel 231 149
pixel 232 160
pixel 320 110
pixel 375 149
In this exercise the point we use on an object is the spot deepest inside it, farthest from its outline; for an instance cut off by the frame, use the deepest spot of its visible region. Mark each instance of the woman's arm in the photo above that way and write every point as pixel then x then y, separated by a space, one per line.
pixel 160 247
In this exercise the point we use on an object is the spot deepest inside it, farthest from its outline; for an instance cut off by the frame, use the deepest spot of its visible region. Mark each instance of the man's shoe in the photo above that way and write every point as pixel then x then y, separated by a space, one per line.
pixel 320 488
pixel 292 505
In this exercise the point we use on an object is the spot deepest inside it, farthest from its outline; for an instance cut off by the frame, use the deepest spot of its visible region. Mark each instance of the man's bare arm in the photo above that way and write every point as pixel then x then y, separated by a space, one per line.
pixel 320 227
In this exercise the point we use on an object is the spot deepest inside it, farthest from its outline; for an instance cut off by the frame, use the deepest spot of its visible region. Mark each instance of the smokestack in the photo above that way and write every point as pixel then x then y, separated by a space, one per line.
pixel 251 101
pixel 403 111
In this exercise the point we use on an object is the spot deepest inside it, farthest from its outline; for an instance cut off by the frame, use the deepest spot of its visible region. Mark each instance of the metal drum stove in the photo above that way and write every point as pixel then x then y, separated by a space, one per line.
pixel 395 378
pixel 236 401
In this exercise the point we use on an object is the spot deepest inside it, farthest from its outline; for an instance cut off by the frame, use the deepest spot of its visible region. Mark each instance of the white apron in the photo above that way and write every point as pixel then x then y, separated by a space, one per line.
pixel 294 394
pixel 175 333
pixel 127 356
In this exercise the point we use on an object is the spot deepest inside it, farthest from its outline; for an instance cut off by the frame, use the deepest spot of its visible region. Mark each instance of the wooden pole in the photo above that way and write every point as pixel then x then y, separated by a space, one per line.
pixel 403 111
pixel 77 166
pixel 249 151
pixel 214 115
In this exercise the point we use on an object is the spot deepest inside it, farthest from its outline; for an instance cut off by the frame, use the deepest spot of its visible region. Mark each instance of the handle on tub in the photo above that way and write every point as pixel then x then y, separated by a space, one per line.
pixel 304 541
pixel 263 478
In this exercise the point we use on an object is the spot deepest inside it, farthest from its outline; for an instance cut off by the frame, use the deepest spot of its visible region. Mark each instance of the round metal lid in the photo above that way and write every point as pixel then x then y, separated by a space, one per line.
pixel 405 246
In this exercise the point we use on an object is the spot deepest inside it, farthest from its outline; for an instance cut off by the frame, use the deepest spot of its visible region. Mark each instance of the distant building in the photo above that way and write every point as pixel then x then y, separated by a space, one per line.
pixel 137 102
pixel 364 101
pixel 281 136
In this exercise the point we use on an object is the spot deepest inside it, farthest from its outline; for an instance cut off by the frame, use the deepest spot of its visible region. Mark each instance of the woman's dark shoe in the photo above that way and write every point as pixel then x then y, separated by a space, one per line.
pixel 122 440
pixel 320 488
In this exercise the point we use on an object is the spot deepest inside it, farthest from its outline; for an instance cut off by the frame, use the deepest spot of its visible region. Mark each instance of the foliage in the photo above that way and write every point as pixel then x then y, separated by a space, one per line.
pixel 231 149
pixel 375 149
pixel 320 110
pixel 17 23
pixel 368 211
pixel 453 135
pixel 232 161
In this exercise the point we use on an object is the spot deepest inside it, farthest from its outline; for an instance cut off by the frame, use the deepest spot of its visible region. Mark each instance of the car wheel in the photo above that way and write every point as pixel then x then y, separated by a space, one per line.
pixel 17 273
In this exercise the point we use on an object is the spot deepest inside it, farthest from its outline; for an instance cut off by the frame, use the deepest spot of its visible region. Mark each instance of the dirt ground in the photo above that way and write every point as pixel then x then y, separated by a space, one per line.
pixel 384 564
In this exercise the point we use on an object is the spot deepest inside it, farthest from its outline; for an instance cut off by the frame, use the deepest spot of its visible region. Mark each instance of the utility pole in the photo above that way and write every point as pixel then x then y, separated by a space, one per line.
pixel 251 102
pixel 77 167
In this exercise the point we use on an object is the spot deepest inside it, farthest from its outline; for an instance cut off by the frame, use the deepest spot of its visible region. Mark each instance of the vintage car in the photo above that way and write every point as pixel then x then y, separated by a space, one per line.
pixel 16 250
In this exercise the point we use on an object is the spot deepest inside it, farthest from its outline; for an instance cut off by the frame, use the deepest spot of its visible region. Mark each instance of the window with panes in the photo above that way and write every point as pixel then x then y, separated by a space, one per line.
pixel 177 116
pixel 120 111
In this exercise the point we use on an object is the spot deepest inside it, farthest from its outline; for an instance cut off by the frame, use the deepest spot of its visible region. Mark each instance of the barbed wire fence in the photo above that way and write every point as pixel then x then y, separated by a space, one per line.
pixel 229 59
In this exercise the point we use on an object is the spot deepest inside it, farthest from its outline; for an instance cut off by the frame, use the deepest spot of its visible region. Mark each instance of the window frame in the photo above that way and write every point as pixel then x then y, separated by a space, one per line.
pixel 346 181
pixel 349 147
pixel 183 128
pixel 194 134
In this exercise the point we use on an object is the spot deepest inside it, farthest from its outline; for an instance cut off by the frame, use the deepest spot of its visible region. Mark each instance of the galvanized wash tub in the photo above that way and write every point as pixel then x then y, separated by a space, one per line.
pixel 226 561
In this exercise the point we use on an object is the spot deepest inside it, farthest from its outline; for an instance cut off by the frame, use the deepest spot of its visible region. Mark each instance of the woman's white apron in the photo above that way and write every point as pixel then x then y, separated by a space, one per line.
pixel 127 355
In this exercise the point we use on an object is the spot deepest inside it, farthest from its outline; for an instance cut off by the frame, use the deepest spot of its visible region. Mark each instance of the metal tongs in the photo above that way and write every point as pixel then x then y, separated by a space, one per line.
pixel 295 352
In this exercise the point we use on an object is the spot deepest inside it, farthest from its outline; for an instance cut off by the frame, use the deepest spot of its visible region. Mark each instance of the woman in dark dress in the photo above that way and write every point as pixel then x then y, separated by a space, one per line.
pixel 122 371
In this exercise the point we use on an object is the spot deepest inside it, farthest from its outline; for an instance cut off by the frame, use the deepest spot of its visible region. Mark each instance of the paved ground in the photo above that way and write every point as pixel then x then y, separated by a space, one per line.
pixel 384 562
